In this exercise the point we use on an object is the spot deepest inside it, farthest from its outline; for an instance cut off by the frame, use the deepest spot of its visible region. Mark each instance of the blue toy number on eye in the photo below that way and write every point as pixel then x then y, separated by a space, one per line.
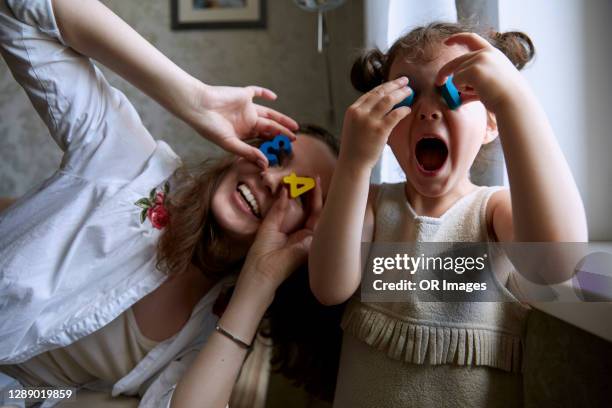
pixel 450 93
pixel 273 149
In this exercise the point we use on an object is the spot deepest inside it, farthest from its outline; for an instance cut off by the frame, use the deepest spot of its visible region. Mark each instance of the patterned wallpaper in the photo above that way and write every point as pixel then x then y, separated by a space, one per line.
pixel 282 57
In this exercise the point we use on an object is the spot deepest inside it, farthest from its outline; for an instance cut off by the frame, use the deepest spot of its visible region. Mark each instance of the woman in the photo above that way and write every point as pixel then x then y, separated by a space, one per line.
pixel 111 266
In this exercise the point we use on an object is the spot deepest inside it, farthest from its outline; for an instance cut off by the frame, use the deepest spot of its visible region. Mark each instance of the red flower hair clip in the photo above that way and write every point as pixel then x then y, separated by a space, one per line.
pixel 153 207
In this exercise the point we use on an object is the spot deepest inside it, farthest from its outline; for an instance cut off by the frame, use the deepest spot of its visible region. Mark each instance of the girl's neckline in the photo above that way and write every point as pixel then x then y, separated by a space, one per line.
pixel 448 210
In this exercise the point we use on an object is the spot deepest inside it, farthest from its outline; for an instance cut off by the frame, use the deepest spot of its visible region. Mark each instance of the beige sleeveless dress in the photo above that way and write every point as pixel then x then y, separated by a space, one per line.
pixel 431 354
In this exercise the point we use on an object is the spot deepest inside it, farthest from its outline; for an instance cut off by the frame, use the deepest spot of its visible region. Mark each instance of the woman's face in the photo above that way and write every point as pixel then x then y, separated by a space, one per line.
pixel 246 193
pixel 435 145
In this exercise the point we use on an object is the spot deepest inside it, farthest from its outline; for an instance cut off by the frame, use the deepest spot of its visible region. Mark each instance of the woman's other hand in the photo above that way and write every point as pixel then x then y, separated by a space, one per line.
pixel 227 116
pixel 274 254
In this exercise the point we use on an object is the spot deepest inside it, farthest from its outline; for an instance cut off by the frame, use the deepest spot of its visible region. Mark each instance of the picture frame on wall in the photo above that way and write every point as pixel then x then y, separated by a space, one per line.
pixel 218 14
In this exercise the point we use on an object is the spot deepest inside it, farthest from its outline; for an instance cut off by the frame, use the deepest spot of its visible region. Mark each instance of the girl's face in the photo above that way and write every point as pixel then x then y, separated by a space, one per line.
pixel 246 193
pixel 435 145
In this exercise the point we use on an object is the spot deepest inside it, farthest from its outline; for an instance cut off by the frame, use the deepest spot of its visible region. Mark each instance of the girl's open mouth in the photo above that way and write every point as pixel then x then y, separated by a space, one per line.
pixel 431 154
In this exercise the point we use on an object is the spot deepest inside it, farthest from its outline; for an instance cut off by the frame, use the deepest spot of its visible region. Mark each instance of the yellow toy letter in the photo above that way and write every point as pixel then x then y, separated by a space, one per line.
pixel 299 185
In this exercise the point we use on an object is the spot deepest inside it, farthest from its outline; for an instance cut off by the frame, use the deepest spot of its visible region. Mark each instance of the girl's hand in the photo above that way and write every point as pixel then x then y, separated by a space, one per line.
pixel 227 116
pixel 369 121
pixel 484 73
pixel 275 255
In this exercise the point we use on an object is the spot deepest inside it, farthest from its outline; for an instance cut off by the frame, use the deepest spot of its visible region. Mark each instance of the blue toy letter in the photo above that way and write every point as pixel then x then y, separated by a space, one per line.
pixel 271 149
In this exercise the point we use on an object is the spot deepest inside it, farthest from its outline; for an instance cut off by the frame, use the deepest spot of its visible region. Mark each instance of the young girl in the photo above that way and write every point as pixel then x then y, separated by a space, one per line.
pixel 109 270
pixel 435 353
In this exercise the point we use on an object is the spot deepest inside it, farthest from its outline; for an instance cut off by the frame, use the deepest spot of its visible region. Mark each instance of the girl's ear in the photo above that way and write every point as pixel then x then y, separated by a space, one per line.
pixel 492 132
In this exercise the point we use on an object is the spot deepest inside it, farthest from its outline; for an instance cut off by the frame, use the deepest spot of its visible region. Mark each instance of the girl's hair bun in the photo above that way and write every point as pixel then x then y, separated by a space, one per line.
pixel 367 71
pixel 517 46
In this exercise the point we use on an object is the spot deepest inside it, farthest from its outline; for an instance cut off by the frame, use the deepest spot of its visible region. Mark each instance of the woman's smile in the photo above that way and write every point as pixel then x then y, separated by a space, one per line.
pixel 245 194
pixel 247 200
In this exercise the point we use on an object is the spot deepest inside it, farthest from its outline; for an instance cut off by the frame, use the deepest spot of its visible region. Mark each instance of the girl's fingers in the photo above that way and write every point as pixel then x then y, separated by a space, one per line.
pixel 396 115
pixel 452 66
pixel 269 127
pixel 261 92
pixel 463 74
pixel 460 79
pixel 475 43
pixel 387 103
pixel 390 86
pixel 361 100
pixel 471 40
pixel 268 113
pixel 376 94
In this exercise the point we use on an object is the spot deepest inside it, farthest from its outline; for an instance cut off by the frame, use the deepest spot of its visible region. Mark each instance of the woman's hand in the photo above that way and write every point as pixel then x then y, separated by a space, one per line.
pixel 224 115
pixel 369 121
pixel 484 73
pixel 275 255
pixel 227 115
pixel 272 257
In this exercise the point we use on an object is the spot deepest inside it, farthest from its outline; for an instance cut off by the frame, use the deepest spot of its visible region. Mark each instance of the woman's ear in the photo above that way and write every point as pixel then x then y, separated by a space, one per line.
pixel 492 132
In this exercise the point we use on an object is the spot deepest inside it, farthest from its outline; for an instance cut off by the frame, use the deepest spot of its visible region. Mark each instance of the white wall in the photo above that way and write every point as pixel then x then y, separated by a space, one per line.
pixel 376 24
pixel 407 14
pixel 385 21
pixel 571 76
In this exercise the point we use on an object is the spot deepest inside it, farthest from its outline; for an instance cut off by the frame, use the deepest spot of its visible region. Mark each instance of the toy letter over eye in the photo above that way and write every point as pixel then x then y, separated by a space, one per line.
pixel 273 148
pixel 407 100
pixel 450 93
pixel 299 185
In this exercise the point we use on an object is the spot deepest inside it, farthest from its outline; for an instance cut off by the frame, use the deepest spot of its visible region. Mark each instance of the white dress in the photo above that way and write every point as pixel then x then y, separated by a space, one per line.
pixel 74 254
pixel 432 354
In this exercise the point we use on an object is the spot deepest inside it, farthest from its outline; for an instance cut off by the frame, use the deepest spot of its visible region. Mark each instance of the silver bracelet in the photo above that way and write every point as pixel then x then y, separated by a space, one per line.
pixel 233 338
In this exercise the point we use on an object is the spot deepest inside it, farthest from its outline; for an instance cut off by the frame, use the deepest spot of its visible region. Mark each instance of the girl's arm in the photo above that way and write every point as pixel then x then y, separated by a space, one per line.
pixel 347 220
pixel 272 258
pixel 545 204
pixel 224 115
pixel 335 257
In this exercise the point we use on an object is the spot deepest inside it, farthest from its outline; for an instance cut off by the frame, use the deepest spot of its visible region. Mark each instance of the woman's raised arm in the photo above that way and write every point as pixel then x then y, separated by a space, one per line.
pixel 225 115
